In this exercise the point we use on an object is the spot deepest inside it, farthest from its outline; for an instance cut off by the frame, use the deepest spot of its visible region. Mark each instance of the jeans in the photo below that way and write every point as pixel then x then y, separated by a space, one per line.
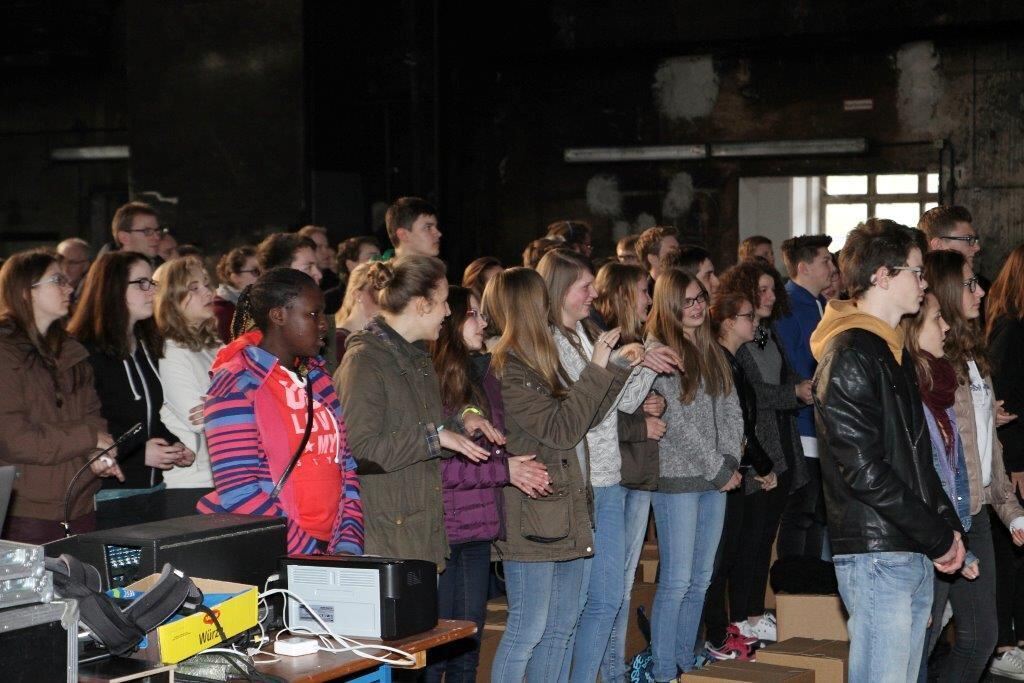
pixel 605 587
pixel 637 513
pixel 462 594
pixel 689 529
pixel 889 598
pixel 543 609
pixel 974 609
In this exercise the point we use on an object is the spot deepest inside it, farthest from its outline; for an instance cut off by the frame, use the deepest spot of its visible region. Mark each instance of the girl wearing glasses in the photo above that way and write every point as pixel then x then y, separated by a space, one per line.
pixel 236 270
pixel 778 392
pixel 734 319
pixel 699 461
pixel 50 421
pixel 184 315
pixel 472 490
pixel 114 321
pixel 978 415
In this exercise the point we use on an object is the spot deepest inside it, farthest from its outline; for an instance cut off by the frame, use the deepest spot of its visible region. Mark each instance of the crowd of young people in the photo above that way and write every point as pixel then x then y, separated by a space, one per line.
pixel 859 414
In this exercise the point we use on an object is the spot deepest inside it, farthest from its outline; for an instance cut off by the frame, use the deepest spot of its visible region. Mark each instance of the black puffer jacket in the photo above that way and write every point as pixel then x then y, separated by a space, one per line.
pixel 881 491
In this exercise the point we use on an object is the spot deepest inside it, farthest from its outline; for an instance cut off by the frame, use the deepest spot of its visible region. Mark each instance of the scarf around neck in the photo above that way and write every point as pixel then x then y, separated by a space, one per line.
pixel 939 397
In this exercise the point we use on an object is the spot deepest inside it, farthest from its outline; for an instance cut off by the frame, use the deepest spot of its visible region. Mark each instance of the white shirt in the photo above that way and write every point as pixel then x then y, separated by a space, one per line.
pixel 982 398
pixel 185 378
pixel 603 439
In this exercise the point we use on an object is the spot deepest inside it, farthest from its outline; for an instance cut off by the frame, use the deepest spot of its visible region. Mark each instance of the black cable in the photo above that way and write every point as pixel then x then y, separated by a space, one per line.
pixel 67 493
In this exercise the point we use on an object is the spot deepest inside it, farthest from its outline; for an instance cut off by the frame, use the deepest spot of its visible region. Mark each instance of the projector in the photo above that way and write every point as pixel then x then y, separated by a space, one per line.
pixel 370 597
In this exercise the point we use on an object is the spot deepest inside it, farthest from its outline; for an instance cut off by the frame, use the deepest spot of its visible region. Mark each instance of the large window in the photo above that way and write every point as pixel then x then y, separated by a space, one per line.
pixel 846 200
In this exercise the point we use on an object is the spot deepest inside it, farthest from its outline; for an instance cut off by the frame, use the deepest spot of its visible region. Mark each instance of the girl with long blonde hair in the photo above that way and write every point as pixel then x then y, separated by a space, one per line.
pixel 571 293
pixel 547 537
pixel 184 312
pixel 699 460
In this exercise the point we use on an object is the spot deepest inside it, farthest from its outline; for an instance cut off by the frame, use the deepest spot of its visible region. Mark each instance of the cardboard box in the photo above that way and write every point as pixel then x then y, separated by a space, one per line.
pixel 811 616
pixel 648 563
pixel 829 659
pixel 182 638
pixel 751 672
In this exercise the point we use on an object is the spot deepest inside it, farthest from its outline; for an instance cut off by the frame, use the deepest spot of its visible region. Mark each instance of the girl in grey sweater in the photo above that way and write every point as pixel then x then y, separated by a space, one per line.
pixel 699 458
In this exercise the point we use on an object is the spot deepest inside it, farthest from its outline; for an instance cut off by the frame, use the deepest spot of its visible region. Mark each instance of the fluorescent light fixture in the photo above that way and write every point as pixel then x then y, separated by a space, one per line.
pixel 94 153
pixel 789 148
pixel 583 155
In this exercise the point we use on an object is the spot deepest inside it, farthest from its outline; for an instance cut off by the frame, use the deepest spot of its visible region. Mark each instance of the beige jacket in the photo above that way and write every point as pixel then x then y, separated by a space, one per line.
pixel 998 494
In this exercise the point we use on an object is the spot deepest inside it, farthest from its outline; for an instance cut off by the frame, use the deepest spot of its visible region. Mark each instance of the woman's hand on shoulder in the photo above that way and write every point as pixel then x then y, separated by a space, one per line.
pixel 462 444
pixel 478 423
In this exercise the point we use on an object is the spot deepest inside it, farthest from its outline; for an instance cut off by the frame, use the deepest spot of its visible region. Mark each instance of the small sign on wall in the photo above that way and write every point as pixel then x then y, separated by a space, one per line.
pixel 863 104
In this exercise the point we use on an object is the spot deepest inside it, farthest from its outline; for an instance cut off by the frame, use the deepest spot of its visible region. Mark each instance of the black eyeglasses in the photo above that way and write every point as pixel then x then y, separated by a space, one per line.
pixel 969 240
pixel 916 270
pixel 143 283
pixel 748 316
pixel 972 284
pixel 689 302
pixel 60 279
pixel 149 232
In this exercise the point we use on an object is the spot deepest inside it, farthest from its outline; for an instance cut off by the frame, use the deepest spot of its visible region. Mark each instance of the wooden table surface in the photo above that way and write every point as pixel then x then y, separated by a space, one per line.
pixel 326 666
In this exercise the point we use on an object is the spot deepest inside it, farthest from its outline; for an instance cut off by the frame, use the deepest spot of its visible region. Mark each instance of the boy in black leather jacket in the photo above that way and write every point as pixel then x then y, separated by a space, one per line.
pixel 889 520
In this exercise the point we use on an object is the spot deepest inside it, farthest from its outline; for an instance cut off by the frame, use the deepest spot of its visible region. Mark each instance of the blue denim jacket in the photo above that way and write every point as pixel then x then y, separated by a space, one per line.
pixel 954 483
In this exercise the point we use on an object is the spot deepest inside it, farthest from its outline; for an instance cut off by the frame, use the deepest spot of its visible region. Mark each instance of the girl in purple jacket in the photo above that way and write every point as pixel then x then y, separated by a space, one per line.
pixel 472 490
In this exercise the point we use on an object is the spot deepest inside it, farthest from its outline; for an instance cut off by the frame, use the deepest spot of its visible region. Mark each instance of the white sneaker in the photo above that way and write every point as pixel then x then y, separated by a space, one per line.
pixel 766 628
pixel 1010 664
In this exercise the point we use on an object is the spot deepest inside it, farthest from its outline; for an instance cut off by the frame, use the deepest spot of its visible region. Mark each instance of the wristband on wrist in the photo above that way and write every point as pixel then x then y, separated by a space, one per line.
pixel 471 409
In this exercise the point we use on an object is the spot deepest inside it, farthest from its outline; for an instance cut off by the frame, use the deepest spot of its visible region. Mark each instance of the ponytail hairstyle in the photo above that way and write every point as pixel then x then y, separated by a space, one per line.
pixel 616 300
pixel 451 355
pixel 101 317
pixel 275 288
pixel 18 274
pixel 561 268
pixel 400 280
pixel 704 363
pixel 518 300
pixel 944 271
pixel 358 282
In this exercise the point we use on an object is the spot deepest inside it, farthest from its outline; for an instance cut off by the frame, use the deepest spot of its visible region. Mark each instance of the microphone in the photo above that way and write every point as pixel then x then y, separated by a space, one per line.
pixel 67 493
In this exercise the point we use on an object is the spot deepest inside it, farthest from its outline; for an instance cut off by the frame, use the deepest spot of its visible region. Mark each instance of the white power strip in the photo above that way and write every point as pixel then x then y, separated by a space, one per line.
pixel 296 647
